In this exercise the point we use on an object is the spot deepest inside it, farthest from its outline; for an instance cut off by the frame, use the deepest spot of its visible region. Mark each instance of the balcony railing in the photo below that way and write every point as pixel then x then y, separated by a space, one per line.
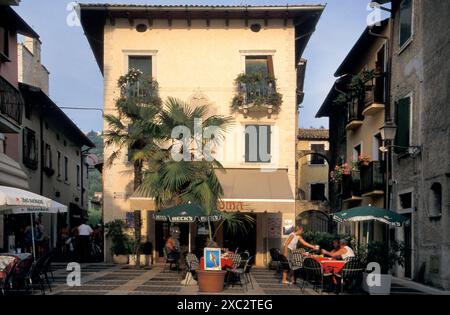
pixel 257 93
pixel 355 110
pixel 372 178
pixel 374 94
pixel 351 185
pixel 11 102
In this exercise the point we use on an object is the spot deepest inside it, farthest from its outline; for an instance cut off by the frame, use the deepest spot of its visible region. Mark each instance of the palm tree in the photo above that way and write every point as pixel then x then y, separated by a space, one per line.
pixel 134 128
pixel 172 182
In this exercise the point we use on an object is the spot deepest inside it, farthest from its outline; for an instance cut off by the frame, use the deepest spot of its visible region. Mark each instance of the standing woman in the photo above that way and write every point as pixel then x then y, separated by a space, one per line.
pixel 291 244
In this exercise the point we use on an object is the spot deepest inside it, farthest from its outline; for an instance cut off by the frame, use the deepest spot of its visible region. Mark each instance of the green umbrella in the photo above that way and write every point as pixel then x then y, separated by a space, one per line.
pixel 186 213
pixel 367 213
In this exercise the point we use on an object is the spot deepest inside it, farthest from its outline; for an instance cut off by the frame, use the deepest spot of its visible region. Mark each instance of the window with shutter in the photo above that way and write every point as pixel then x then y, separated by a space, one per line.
pixel 406 17
pixel 317 159
pixel 317 192
pixel 257 144
pixel 30 149
pixel 402 119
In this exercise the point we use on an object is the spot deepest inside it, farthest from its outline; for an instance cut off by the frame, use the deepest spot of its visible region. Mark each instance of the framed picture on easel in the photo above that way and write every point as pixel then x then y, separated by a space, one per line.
pixel 212 259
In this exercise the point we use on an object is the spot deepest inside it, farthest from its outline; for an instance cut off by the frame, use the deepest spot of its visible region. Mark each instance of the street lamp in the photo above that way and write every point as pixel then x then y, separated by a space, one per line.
pixel 388 131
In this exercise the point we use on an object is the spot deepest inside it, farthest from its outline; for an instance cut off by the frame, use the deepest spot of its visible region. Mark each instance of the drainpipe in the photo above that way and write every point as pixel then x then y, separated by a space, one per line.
pixel 41 162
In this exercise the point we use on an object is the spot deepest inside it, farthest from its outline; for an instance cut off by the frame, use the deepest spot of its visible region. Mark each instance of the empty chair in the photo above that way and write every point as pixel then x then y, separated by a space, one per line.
pixel 193 266
pixel 170 261
pixel 242 273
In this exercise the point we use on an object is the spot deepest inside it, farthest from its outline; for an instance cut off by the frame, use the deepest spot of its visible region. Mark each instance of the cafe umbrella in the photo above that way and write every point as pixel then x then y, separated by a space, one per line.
pixel 369 213
pixel 187 213
pixel 19 201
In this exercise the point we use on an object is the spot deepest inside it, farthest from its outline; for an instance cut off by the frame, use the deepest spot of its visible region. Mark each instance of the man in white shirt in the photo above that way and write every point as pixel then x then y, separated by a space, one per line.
pixel 83 241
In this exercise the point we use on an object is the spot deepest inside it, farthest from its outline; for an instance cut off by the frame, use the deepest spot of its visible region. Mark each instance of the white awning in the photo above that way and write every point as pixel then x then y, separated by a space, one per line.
pixel 11 174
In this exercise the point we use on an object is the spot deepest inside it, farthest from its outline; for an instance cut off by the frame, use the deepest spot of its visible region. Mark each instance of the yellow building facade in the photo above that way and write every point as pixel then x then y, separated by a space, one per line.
pixel 195 54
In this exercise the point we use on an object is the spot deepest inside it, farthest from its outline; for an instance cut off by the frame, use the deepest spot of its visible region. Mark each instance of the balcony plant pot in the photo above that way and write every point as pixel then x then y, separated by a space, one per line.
pixel 120 259
pixel 211 281
pixel 383 289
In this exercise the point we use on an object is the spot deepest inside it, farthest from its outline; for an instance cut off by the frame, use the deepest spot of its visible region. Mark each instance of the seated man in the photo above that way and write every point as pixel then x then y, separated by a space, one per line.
pixel 336 246
pixel 344 252
pixel 172 249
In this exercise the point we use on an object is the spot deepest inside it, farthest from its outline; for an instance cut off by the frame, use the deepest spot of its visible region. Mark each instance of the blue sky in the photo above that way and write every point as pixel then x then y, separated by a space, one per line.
pixel 75 79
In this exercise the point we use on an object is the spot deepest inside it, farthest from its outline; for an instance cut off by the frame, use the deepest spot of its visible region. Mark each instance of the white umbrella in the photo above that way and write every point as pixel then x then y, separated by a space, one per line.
pixel 19 201
pixel 10 196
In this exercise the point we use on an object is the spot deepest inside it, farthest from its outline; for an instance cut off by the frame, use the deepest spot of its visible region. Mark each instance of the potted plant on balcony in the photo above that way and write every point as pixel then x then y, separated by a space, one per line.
pixel 120 248
pixel 386 255
pixel 256 90
pixel 363 160
pixel 339 172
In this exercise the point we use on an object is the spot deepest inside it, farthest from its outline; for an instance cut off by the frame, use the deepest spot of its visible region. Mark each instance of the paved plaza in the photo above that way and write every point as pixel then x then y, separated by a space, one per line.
pixel 108 279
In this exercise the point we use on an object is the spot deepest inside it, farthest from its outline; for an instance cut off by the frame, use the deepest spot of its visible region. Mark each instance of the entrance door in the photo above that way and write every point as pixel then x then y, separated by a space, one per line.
pixel 407 230
pixel 241 240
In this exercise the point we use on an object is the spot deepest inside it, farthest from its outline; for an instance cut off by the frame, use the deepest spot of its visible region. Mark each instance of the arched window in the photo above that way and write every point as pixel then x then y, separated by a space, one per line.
pixel 436 200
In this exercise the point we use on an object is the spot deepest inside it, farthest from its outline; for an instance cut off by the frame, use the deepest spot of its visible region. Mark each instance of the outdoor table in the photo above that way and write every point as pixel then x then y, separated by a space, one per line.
pixel 331 266
pixel 6 261
pixel 225 262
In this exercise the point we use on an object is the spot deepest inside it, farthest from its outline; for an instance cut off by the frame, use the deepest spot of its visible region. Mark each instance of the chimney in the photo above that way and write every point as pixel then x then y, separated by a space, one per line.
pixel 33 45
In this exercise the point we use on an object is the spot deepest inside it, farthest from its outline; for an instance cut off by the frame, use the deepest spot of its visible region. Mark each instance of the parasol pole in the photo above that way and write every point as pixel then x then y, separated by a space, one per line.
pixel 32 236
pixel 189 239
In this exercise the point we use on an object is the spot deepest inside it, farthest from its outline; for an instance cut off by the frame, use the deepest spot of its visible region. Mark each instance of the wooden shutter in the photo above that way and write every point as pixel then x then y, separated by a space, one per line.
pixel 270 66
pixel 402 118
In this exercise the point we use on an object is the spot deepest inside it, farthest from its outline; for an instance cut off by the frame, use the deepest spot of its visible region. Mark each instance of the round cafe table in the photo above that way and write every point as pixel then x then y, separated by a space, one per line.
pixel 224 261
pixel 330 265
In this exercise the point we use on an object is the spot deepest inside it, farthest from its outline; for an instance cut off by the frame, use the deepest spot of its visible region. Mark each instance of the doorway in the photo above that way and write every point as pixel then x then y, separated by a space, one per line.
pixel 241 240
pixel 407 230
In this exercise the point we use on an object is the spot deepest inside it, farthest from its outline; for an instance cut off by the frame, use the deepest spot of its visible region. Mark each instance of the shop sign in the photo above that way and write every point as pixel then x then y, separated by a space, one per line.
pixel 231 206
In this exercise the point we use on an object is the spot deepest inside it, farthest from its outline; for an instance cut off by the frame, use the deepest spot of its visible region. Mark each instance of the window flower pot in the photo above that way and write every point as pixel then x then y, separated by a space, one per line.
pixel 211 281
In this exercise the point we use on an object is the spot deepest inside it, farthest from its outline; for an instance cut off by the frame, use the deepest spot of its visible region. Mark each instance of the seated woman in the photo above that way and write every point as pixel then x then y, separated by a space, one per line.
pixel 344 252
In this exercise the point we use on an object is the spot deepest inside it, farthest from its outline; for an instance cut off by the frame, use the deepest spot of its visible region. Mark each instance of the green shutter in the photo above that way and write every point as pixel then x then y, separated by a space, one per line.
pixel 402 117
pixel 405 21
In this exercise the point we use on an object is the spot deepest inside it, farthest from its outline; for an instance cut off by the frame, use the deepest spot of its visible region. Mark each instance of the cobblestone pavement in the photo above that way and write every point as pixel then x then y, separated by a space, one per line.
pixel 108 279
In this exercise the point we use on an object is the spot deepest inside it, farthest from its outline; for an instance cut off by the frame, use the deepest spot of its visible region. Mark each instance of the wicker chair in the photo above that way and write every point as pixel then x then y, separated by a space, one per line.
pixel 313 274
pixel 352 273
pixel 230 276
pixel 7 280
pixel 170 261
pixel 192 266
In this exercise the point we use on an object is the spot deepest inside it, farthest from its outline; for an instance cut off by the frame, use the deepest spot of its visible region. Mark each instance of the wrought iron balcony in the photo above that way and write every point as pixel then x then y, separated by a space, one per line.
pixel 351 186
pixel 11 102
pixel 256 92
pixel 374 99
pixel 355 116
pixel 373 179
